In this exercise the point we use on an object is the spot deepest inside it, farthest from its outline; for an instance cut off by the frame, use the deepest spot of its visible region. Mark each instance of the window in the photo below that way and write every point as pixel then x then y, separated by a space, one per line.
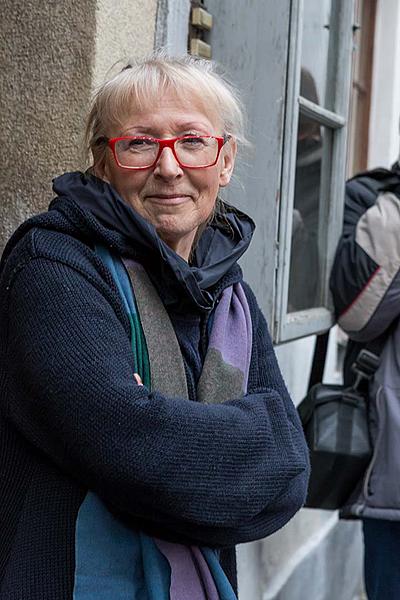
pixel 314 160
pixel 357 155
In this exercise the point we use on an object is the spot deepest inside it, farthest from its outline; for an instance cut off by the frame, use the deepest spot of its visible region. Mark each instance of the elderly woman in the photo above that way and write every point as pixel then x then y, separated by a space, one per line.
pixel 145 427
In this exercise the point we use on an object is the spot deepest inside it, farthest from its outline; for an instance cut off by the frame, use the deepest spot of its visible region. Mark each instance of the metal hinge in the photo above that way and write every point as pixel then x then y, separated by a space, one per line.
pixel 200 25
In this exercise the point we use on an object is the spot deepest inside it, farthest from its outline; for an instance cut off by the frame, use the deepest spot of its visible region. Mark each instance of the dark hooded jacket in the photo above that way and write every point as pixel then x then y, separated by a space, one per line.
pixel 365 284
pixel 73 419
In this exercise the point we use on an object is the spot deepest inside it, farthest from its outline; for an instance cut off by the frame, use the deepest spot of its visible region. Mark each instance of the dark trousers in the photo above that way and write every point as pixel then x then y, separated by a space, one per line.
pixel 382 559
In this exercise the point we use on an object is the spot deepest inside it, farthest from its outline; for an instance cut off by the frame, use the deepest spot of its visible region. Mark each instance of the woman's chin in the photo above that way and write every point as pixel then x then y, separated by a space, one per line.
pixel 178 237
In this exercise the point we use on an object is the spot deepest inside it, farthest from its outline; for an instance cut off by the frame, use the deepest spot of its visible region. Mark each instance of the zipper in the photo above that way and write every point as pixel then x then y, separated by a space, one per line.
pixel 375 453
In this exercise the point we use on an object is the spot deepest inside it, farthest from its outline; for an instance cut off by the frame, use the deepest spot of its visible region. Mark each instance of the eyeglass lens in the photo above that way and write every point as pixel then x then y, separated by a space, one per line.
pixel 191 151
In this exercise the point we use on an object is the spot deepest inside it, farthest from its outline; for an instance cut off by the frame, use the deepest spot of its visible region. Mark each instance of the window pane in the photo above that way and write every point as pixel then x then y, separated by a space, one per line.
pixel 314 51
pixel 309 228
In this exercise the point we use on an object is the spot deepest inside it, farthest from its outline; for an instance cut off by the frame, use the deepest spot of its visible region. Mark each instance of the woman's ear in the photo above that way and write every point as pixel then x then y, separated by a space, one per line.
pixel 100 164
pixel 101 170
pixel 104 171
pixel 229 152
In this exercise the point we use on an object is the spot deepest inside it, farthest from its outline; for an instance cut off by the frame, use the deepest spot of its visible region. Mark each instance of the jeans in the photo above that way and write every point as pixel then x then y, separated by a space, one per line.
pixel 382 559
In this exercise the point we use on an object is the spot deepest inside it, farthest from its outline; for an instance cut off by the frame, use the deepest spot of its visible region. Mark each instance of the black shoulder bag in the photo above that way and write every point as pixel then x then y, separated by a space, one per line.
pixel 335 422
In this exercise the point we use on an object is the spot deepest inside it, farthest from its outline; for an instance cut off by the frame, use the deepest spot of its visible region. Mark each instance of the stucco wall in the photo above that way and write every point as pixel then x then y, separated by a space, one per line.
pixel 53 53
pixel 125 29
pixel 47 52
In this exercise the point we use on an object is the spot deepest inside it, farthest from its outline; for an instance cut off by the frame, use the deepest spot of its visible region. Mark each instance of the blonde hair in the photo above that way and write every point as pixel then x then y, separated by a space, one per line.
pixel 142 83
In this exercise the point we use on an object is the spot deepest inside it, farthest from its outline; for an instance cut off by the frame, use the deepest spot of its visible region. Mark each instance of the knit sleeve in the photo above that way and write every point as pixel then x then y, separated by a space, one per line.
pixel 203 473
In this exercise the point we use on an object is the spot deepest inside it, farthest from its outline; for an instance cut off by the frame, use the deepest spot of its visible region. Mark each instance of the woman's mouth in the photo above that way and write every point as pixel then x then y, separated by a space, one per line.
pixel 168 199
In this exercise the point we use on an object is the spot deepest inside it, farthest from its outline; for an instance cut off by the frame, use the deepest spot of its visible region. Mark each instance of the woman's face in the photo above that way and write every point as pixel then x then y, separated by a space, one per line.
pixel 175 200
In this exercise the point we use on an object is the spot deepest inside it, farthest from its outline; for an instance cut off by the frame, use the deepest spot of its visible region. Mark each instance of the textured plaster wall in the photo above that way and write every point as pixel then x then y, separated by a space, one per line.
pixel 47 53
pixel 53 53
pixel 125 29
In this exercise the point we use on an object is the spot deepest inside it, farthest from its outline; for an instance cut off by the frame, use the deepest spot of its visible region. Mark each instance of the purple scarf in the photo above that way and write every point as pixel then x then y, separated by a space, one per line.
pixel 224 377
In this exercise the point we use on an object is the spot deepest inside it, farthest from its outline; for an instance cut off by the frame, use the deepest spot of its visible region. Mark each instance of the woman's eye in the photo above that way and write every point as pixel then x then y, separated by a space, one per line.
pixel 194 141
pixel 139 144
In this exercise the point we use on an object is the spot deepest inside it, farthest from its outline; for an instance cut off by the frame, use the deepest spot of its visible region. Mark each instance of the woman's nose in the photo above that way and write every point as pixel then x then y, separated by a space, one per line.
pixel 167 166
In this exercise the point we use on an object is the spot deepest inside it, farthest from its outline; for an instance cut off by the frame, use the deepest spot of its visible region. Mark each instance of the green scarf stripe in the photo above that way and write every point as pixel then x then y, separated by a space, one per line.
pixel 138 340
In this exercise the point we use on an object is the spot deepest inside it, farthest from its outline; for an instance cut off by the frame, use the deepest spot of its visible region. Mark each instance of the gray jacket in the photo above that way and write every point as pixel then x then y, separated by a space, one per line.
pixel 365 283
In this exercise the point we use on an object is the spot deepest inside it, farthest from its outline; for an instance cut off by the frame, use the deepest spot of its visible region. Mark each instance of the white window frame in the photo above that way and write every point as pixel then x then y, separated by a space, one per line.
pixel 289 326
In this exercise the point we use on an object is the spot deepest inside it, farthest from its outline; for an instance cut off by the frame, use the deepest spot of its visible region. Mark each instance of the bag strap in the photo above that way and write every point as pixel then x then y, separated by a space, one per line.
pixel 368 359
pixel 318 363
pixel 365 364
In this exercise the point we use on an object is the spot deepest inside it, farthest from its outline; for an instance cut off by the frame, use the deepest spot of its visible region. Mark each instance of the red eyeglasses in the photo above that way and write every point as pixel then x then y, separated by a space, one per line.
pixel 142 152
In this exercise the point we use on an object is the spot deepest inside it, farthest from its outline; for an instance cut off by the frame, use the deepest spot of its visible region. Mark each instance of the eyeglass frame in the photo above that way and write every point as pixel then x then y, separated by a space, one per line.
pixel 163 143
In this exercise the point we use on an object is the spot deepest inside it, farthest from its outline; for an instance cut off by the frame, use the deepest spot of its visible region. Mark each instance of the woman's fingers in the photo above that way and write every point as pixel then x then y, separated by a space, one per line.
pixel 138 379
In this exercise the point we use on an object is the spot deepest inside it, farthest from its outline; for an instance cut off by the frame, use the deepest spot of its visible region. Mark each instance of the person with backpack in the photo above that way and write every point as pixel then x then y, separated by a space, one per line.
pixel 365 284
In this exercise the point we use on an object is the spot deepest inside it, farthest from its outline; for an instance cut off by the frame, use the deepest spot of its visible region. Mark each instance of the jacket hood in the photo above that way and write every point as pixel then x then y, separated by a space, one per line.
pixel 393 184
pixel 90 209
